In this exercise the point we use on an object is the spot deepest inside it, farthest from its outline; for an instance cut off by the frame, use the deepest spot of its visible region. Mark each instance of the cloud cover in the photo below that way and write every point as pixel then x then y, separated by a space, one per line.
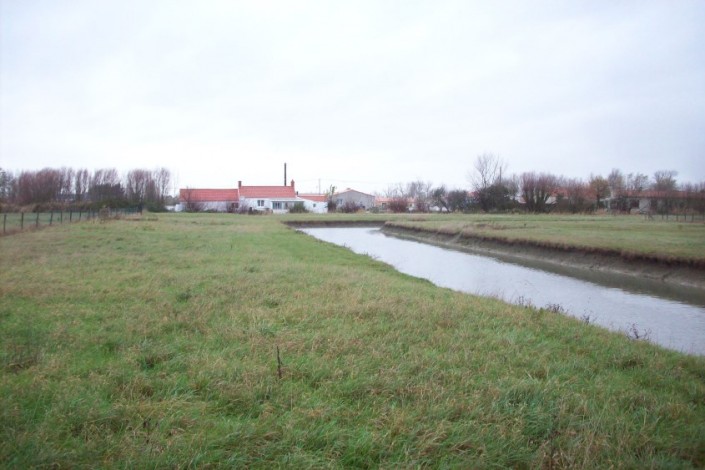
pixel 360 94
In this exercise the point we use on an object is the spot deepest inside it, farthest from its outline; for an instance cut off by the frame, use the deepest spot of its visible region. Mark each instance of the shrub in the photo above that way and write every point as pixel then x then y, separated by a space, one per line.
pixel 299 208
pixel 349 207
pixel 398 205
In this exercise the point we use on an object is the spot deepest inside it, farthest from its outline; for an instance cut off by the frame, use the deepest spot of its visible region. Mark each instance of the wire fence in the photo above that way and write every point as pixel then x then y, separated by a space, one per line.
pixel 13 222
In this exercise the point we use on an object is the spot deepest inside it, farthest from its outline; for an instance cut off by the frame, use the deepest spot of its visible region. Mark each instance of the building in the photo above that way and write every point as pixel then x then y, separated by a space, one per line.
pixel 351 197
pixel 316 203
pixel 208 200
pixel 276 199
pixel 273 199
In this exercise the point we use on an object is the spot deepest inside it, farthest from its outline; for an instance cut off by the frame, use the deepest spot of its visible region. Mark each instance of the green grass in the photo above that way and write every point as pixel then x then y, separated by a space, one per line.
pixel 624 234
pixel 152 343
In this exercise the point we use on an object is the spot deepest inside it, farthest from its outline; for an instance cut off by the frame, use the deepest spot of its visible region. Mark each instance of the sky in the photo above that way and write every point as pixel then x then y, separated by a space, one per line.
pixel 360 94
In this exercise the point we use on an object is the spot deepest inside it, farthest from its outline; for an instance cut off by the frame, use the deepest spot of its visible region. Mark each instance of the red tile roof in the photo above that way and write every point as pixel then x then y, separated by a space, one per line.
pixel 314 197
pixel 208 195
pixel 268 192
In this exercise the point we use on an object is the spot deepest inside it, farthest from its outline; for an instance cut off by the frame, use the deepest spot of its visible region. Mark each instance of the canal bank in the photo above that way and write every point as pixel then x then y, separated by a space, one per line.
pixel 672 271
pixel 671 316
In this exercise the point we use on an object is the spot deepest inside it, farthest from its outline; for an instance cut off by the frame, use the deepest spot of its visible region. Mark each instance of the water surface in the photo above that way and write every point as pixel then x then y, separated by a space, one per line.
pixel 671 317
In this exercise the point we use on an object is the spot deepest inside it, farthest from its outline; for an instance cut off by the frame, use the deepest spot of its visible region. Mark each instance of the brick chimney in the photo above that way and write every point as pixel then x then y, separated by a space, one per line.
pixel 239 184
pixel 292 184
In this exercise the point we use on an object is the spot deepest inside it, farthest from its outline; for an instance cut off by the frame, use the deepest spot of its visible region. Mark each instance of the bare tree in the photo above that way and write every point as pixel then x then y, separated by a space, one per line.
pixel 489 169
pixel 618 192
pixel 37 187
pixel 489 182
pixel 439 198
pixel 615 180
pixel 600 188
pixel 6 183
pixel 636 183
pixel 105 187
pixel 162 179
pixel 136 183
pixel 458 200
pixel 665 180
pixel 331 203
pixel 536 189
pixel 576 193
pixel 66 191
pixel 665 184
pixel 81 184
pixel 395 190
pixel 420 192
pixel 65 185
pixel 398 204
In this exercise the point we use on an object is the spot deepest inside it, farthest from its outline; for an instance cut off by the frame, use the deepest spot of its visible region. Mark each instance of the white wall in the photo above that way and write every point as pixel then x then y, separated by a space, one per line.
pixel 315 206
pixel 286 203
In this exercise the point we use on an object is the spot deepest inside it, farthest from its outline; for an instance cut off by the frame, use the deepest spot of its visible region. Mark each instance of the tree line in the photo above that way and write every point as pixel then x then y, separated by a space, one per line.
pixel 494 190
pixel 54 188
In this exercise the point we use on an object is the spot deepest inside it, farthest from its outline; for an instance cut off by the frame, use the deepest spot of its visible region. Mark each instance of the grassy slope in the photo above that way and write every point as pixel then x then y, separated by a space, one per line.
pixel 626 234
pixel 154 343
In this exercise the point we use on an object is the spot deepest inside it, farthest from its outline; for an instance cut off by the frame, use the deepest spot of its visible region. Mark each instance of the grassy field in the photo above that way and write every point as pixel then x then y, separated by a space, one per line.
pixel 13 222
pixel 153 343
pixel 623 234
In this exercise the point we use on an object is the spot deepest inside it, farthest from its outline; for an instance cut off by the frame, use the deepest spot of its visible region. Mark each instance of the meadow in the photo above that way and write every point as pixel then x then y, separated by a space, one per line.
pixel 621 235
pixel 191 340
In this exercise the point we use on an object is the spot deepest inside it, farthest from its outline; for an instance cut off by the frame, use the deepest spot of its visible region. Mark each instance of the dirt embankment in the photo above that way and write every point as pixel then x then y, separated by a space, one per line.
pixel 333 223
pixel 677 271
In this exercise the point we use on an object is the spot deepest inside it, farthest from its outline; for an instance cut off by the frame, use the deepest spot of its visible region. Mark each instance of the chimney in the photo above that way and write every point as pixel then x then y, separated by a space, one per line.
pixel 239 184
pixel 292 184
pixel 284 174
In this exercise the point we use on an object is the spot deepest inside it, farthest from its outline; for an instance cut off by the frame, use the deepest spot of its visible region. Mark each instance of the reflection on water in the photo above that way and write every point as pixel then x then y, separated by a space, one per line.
pixel 674 318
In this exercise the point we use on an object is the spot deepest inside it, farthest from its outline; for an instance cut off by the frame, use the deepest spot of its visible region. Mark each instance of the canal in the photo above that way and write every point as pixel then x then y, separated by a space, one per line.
pixel 669 316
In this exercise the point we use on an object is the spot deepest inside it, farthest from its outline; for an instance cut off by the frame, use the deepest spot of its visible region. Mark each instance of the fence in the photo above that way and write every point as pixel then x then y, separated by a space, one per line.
pixel 19 221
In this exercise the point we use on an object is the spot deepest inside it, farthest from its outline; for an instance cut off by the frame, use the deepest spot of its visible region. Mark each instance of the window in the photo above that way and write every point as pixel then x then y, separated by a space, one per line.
pixel 276 205
pixel 260 202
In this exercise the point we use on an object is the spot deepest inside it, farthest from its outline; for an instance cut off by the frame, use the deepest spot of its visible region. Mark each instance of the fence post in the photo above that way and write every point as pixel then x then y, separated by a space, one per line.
pixel 4 223
pixel 36 222
pixel 79 215
pixel 51 218
pixel 21 220
pixel 61 217
pixel 70 215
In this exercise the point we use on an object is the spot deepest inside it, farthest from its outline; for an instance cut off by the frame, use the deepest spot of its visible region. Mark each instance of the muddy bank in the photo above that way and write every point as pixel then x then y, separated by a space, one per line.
pixel 334 223
pixel 671 271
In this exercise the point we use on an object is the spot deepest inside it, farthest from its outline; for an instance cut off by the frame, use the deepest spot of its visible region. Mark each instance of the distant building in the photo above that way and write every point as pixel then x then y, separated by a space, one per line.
pixel 274 199
pixel 351 196
pixel 210 200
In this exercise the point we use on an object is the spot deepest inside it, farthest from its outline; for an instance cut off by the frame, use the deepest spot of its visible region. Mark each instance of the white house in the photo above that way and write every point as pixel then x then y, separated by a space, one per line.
pixel 275 199
pixel 316 203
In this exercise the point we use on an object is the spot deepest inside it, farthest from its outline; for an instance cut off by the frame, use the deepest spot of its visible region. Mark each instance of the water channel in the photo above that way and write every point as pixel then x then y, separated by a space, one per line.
pixel 671 317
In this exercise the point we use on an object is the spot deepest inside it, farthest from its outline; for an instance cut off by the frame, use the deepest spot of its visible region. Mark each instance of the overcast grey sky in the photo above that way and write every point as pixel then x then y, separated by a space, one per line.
pixel 357 94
